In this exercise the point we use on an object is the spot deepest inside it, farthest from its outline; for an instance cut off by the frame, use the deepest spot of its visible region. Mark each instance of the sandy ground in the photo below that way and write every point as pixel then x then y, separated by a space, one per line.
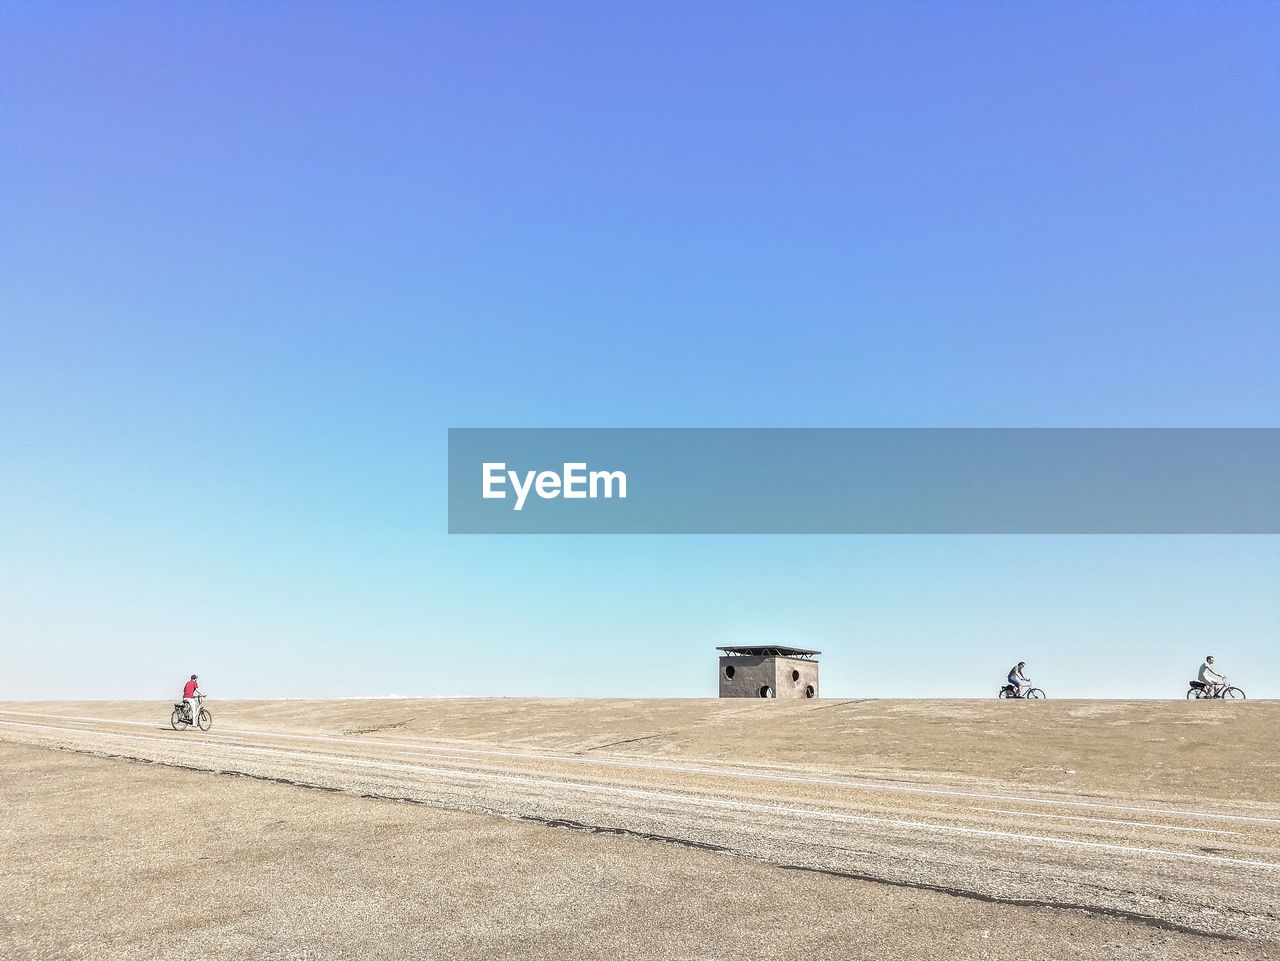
pixel 641 829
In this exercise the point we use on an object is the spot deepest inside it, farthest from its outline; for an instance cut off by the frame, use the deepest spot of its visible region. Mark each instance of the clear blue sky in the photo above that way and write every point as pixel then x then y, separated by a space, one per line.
pixel 255 259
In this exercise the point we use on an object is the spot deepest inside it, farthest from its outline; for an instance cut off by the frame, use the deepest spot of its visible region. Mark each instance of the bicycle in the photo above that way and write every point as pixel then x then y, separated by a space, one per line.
pixel 1016 694
pixel 180 719
pixel 1198 692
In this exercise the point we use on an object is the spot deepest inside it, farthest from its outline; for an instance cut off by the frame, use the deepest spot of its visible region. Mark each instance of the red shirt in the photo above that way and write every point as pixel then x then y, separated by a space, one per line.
pixel 189 689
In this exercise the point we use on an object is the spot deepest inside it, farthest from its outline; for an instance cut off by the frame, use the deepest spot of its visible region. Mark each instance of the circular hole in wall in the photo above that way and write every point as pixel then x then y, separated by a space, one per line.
pixel 729 671
pixel 809 691
pixel 795 675
pixel 766 691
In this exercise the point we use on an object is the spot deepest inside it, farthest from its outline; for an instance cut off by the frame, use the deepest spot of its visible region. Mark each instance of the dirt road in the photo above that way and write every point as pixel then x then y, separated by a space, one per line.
pixel 1156 854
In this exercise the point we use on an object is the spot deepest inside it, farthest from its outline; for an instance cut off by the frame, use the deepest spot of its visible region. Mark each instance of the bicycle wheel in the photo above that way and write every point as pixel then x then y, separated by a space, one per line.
pixel 1233 693
pixel 1004 693
pixel 1035 694
pixel 177 720
pixel 1194 694
pixel 206 720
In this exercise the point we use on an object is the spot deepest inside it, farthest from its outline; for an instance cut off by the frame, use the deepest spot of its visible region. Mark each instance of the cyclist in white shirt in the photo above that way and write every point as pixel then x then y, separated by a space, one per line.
pixel 1210 678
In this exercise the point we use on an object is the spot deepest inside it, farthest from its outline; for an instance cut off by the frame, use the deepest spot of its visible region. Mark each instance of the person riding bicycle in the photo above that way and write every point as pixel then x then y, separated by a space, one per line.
pixel 190 691
pixel 1210 678
pixel 1018 678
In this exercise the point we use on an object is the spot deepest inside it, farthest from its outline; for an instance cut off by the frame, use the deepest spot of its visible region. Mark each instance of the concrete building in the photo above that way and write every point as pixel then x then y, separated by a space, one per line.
pixel 768 671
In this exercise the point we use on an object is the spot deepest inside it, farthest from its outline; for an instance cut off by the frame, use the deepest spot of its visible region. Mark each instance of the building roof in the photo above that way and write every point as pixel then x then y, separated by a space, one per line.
pixel 769 650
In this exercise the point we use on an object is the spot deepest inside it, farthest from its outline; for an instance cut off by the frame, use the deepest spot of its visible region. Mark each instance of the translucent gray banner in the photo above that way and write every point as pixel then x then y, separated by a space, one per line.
pixel 864 481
